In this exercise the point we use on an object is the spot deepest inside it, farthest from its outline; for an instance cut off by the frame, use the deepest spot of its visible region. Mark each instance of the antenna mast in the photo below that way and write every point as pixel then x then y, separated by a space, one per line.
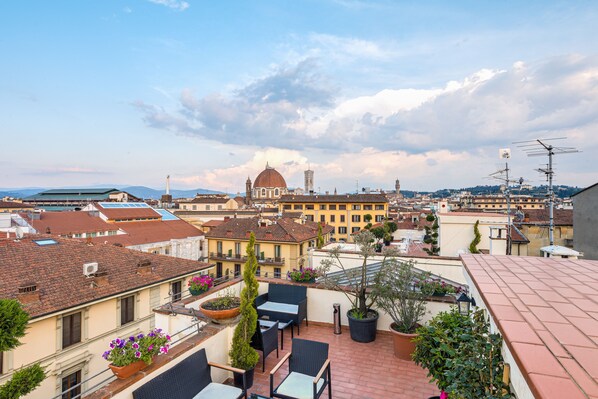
pixel 539 147
pixel 505 153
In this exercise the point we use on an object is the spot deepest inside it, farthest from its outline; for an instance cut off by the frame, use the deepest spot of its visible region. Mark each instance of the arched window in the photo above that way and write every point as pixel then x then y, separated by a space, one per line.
pixel 276 193
pixel 263 192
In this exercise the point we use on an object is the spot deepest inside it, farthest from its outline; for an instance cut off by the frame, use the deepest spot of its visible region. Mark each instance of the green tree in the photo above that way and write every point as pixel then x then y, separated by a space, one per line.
pixel 13 323
pixel 320 239
pixel 473 247
pixel 367 218
pixel 242 355
pixel 431 236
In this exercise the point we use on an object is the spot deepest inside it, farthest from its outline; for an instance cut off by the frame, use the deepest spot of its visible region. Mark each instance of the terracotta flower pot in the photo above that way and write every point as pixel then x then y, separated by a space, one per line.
pixel 219 314
pixel 124 372
pixel 402 343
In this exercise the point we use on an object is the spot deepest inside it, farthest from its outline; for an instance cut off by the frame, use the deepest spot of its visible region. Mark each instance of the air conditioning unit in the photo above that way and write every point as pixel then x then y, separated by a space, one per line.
pixel 90 269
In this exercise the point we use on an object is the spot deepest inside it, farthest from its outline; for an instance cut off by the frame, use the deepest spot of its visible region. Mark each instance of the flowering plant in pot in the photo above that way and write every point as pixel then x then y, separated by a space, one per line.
pixel 397 296
pixel 305 275
pixel 129 355
pixel 200 284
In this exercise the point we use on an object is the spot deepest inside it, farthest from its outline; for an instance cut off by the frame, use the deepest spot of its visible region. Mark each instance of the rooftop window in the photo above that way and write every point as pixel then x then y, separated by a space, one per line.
pixel 43 243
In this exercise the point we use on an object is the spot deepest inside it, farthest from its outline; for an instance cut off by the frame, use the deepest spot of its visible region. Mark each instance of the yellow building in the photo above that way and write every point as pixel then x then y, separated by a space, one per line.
pixel 14 207
pixel 499 202
pixel 79 298
pixel 280 244
pixel 346 213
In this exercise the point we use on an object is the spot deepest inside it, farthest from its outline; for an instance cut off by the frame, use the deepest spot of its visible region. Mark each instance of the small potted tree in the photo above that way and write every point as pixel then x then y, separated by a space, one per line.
pixel 396 294
pixel 242 355
pixel 354 283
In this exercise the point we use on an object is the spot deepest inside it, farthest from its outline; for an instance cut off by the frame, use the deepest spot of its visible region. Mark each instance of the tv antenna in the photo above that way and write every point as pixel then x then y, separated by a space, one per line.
pixel 540 147
pixel 502 175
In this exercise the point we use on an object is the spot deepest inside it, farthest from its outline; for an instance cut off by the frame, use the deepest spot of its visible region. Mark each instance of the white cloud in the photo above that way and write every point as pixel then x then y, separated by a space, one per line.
pixel 174 4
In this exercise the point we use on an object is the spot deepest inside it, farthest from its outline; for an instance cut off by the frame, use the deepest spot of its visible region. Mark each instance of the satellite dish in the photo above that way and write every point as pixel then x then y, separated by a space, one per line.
pixel 19 233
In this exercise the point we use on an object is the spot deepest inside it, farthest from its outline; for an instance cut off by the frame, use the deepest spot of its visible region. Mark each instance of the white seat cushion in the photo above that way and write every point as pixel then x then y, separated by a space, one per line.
pixel 299 386
pixel 279 307
pixel 220 391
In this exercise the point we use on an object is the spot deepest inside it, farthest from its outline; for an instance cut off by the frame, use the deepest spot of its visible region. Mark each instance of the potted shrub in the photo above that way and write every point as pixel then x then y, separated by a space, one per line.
pixel 200 284
pixel 396 295
pixel 436 343
pixel 354 283
pixel 305 275
pixel 226 306
pixel 242 355
pixel 462 357
pixel 129 355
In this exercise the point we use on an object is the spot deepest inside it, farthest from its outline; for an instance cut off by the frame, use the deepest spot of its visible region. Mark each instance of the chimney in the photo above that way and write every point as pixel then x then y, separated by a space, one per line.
pixel 227 218
pixel 247 233
pixel 268 235
pixel 88 241
pixel 28 293
pixel 229 233
pixel 100 279
pixel 168 185
pixel 144 267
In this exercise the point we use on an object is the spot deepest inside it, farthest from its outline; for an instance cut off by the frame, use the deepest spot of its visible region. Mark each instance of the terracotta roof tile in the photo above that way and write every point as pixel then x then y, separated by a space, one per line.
pixel 69 222
pixel 151 231
pixel 12 205
pixel 57 270
pixel 128 213
pixel 284 230
pixel 557 299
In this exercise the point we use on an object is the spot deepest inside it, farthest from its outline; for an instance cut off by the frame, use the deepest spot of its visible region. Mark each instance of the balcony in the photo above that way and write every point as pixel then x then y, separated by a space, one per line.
pixel 271 261
pixel 358 370
pixel 227 257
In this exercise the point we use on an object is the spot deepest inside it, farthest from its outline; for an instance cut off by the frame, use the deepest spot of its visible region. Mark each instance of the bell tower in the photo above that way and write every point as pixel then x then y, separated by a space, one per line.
pixel 248 192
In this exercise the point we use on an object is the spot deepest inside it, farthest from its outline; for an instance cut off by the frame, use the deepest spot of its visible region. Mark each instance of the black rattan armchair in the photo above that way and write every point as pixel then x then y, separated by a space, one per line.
pixel 189 379
pixel 265 341
pixel 309 371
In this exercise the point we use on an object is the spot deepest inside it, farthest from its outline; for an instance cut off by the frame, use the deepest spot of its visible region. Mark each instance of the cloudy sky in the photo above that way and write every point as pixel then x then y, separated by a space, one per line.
pixel 127 92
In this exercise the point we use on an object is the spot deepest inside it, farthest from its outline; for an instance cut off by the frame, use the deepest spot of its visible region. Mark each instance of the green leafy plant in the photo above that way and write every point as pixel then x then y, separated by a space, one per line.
pixel 13 323
pixel 462 356
pixel 439 341
pixel 242 355
pixel 320 239
pixel 395 295
pixel 431 236
pixel 473 247
pixel 22 382
pixel 367 218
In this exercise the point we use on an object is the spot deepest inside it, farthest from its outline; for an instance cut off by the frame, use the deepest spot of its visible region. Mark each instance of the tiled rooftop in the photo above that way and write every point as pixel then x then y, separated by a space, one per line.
pixel 359 371
pixel 547 312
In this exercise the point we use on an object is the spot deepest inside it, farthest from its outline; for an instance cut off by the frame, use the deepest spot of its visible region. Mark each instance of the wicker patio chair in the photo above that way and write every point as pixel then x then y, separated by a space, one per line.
pixel 265 341
pixel 309 372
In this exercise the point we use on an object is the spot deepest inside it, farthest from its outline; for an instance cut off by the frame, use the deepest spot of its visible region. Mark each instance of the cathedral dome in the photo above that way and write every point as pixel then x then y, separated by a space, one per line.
pixel 270 178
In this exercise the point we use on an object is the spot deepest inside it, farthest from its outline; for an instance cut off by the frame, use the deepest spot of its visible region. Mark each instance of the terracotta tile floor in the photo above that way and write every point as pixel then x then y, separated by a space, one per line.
pixel 359 371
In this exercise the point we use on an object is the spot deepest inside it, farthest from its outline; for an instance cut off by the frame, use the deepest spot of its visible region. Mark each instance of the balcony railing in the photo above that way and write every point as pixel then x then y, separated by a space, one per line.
pixel 227 256
pixel 278 261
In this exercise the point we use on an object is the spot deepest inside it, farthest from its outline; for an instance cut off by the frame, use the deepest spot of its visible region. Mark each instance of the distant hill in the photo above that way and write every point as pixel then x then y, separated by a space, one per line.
pixel 138 191
pixel 539 191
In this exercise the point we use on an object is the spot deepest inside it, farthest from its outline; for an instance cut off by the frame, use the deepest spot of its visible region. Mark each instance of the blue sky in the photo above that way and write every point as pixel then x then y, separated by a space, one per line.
pixel 126 92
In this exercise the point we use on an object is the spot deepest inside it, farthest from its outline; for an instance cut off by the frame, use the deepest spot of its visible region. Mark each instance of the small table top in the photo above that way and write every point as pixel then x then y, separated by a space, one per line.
pixel 281 324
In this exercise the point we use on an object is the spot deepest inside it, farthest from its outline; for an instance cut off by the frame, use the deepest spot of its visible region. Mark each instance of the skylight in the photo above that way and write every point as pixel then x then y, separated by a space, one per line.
pixel 45 242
